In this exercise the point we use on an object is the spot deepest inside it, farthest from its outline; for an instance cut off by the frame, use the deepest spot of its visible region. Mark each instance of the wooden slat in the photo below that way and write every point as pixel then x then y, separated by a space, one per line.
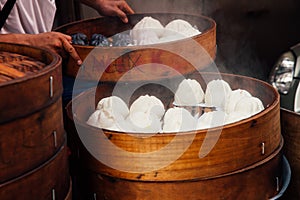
pixel 10 72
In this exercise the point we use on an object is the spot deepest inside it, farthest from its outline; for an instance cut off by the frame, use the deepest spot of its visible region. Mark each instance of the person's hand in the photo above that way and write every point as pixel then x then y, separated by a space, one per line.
pixel 57 42
pixel 54 41
pixel 118 8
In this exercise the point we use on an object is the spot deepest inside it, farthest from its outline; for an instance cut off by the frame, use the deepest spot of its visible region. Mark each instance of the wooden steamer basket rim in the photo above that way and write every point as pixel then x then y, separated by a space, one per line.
pixel 30 141
pixel 3 184
pixel 4 46
pixel 291 113
pixel 236 148
pixel 207 39
pixel 277 152
pixel 32 182
pixel 262 180
pixel 33 89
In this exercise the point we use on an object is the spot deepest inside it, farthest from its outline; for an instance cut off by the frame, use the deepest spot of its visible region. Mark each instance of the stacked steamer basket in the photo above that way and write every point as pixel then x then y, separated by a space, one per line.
pixel 290 125
pixel 33 153
pixel 245 162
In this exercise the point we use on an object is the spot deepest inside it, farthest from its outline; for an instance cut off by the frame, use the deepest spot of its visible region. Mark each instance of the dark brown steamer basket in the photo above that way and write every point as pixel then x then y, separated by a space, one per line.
pixel 31 119
pixel 117 61
pixel 34 91
pixel 26 143
pixel 290 125
pixel 239 146
pixel 48 181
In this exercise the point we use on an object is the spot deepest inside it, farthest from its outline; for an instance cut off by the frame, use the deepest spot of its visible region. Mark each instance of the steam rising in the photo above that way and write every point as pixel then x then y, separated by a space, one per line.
pixel 250 34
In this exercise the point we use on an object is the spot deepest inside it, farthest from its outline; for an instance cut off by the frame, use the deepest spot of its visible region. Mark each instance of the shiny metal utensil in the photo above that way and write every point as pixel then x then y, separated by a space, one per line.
pixel 197 109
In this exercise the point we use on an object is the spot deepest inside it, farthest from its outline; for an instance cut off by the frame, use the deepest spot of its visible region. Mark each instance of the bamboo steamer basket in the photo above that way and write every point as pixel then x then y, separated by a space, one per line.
pixel 117 61
pixel 240 145
pixel 28 142
pixel 258 181
pixel 290 125
pixel 31 120
pixel 36 90
pixel 50 181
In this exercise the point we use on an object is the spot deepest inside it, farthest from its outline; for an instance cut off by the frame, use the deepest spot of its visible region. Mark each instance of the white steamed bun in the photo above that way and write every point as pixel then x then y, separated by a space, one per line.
pixel 189 92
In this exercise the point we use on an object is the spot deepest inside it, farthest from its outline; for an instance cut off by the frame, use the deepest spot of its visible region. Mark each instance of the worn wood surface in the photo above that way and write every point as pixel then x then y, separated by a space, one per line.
pixel 42 182
pixel 257 181
pixel 33 156
pixel 27 142
pixel 28 94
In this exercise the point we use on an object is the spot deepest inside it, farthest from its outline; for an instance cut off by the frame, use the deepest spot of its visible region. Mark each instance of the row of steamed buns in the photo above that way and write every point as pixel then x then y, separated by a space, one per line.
pixel 150 31
pixel 147 114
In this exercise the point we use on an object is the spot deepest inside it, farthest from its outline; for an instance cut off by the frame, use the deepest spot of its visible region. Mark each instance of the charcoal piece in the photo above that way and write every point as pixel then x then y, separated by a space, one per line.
pixel 121 39
pixel 99 40
pixel 79 39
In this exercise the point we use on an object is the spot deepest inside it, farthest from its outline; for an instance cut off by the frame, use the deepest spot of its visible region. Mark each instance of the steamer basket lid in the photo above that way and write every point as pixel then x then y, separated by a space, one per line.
pixel 30 76
pixel 14 65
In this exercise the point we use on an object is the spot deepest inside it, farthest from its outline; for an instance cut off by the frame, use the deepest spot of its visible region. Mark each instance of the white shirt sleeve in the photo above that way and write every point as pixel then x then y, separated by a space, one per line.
pixel 34 16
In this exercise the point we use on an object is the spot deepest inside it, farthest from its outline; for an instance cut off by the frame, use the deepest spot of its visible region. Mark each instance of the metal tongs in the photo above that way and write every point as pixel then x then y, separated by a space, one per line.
pixel 197 109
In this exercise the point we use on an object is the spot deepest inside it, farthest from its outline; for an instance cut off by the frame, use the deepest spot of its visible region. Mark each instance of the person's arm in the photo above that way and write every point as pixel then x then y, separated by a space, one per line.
pixel 118 8
pixel 54 41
